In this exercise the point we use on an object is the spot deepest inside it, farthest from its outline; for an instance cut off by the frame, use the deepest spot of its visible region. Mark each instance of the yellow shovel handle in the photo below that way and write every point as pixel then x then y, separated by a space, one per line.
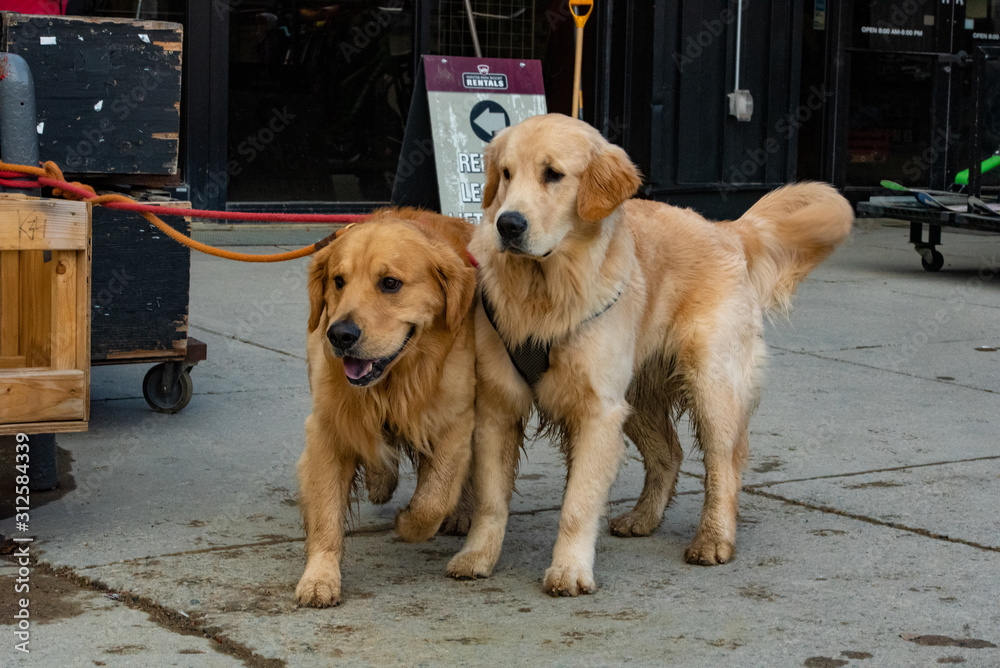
pixel 576 9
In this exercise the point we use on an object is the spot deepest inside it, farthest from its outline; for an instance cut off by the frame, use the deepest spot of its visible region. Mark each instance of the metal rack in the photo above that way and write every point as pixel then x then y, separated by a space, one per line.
pixel 919 215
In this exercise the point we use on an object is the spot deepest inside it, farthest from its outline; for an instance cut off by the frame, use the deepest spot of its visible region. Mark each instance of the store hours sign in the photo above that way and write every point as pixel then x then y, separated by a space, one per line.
pixel 469 101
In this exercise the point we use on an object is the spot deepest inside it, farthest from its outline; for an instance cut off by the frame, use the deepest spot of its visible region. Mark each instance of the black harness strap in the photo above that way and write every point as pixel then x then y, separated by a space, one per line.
pixel 531 358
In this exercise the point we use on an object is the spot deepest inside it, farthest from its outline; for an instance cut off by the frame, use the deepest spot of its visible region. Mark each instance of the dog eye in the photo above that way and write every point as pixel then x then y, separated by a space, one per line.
pixel 390 285
pixel 338 281
pixel 506 175
pixel 552 176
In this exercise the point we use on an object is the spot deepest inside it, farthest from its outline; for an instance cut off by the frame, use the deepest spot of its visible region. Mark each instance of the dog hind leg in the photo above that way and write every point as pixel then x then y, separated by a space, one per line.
pixel 381 478
pixel 460 519
pixel 653 433
pixel 439 482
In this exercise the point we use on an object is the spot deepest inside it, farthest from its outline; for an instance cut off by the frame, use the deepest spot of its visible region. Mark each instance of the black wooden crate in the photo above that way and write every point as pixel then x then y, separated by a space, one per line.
pixel 140 286
pixel 107 90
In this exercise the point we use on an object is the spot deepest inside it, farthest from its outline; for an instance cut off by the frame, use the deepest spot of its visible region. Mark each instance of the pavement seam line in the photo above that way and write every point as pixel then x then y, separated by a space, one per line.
pixel 871 520
pixel 878 368
pixel 385 527
pixel 246 341
pixel 170 620
pixel 857 473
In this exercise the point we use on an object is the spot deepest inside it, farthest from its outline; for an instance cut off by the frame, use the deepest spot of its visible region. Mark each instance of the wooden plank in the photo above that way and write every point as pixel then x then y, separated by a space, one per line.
pixel 42 395
pixel 42 225
pixel 10 303
pixel 43 428
pixel 83 259
pixel 36 316
pixel 65 311
pixel 13 362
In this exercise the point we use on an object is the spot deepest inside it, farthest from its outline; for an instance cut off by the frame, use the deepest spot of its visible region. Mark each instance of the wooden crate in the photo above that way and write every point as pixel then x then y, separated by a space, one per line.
pixel 141 288
pixel 107 90
pixel 44 315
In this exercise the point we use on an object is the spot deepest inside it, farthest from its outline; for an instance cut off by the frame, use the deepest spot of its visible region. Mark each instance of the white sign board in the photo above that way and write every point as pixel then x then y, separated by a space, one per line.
pixel 470 100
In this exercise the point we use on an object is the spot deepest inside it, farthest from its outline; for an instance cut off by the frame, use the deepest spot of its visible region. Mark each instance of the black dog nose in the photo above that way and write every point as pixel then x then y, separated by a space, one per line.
pixel 343 334
pixel 511 225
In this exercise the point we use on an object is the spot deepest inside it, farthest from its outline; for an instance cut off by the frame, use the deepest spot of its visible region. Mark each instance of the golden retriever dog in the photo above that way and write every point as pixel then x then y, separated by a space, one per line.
pixel 613 316
pixel 391 354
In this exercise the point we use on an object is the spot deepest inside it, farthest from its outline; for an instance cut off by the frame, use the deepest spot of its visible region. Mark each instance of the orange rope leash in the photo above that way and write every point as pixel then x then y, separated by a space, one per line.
pixel 51 175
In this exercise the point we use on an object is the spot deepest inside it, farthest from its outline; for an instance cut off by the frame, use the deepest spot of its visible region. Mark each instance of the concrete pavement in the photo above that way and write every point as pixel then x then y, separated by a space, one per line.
pixel 869 530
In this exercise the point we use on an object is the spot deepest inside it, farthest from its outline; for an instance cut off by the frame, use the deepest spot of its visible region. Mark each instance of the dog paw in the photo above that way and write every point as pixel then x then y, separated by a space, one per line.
pixel 317 593
pixel 569 581
pixel 413 530
pixel 381 484
pixel 469 565
pixel 456 524
pixel 632 524
pixel 709 552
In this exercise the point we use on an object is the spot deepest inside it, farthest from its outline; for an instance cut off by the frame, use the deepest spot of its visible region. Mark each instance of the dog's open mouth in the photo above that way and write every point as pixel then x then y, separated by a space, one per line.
pixel 362 372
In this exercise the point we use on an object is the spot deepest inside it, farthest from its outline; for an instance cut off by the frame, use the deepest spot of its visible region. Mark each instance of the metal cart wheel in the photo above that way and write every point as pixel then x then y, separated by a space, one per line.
pixel 167 387
pixel 935 262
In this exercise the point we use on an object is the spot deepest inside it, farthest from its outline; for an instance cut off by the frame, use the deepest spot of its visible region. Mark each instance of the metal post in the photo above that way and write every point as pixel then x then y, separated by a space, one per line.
pixel 18 120
pixel 975 139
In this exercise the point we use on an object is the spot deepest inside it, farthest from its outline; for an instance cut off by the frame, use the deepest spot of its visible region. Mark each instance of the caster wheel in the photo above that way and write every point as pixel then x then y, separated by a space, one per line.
pixel 936 262
pixel 167 399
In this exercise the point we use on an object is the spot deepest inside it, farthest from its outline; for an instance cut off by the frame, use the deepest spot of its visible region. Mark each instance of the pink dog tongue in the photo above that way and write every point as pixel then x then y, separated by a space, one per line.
pixel 356 368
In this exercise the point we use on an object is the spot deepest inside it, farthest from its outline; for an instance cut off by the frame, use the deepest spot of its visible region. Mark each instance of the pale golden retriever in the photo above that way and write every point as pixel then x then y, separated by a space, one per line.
pixel 646 311
pixel 391 355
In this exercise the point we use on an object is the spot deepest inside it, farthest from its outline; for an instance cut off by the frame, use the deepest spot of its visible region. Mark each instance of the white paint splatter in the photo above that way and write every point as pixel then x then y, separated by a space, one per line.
pixel 47 40
pixel 144 38
pixel 41 128
pixel 99 106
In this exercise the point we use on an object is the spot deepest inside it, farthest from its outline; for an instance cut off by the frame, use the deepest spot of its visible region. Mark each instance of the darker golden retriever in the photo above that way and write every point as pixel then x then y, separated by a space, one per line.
pixel 391 355
pixel 613 316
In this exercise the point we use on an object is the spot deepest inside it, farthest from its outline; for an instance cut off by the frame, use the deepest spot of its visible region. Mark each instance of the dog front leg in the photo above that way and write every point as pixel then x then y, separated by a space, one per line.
pixel 496 450
pixel 596 449
pixel 439 481
pixel 325 478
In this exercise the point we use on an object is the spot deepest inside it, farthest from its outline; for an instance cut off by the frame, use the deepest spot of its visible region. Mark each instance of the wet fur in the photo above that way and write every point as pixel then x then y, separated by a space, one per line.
pixel 685 335
pixel 422 406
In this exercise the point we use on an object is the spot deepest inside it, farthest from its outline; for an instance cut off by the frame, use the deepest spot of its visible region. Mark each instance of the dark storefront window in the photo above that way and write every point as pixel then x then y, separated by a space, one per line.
pixel 318 98
pixel 319 92
pixel 911 111
pixel 157 10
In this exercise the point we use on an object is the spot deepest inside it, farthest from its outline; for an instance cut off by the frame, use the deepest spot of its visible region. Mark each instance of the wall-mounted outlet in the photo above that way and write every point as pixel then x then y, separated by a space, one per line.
pixel 741 104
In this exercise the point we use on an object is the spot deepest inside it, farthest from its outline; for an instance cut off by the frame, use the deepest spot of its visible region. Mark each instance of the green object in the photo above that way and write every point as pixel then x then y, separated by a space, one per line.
pixel 892 185
pixel 899 187
pixel 962 178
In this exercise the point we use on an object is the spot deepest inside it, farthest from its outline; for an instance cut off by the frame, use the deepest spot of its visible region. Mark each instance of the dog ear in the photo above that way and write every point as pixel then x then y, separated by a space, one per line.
pixel 458 285
pixel 491 158
pixel 609 180
pixel 317 286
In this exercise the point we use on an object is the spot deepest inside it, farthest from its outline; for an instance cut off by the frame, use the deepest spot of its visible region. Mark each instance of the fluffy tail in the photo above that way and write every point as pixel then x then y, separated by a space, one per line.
pixel 787 234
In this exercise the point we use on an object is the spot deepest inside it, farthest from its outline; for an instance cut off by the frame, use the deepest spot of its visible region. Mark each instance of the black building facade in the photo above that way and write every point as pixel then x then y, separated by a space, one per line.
pixel 301 106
